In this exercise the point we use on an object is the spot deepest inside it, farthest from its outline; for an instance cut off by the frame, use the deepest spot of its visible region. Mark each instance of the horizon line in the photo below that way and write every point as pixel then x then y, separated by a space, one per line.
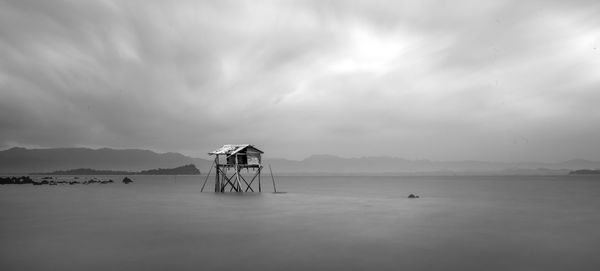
pixel 308 157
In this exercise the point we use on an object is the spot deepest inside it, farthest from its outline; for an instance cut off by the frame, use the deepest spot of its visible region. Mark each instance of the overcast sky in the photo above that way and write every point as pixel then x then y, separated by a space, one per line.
pixel 441 80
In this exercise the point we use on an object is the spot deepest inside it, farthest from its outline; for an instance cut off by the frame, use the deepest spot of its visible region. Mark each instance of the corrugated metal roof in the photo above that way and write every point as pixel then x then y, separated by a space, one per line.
pixel 230 149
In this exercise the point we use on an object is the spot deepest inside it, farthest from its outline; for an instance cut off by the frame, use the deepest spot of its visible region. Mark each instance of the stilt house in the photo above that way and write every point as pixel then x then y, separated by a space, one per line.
pixel 236 158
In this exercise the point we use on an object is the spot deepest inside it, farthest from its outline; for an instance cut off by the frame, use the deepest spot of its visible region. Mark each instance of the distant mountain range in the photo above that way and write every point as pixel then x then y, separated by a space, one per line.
pixel 182 170
pixel 392 165
pixel 21 160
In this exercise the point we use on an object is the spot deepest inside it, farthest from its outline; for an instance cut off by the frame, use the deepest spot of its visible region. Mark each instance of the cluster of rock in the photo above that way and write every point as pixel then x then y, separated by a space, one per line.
pixel 16 180
pixel 51 181
pixel 413 196
pixel 94 180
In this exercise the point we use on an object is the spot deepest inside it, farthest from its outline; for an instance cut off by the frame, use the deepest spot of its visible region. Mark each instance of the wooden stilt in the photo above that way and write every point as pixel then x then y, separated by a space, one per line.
pixel 248 185
pixel 227 180
pixel 217 182
pixel 224 181
pixel 259 188
pixel 243 180
pixel 251 181
pixel 237 174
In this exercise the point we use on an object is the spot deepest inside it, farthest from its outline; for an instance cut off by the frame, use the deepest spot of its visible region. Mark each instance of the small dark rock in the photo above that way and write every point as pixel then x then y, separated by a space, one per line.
pixel 126 180
pixel 23 180
pixel 413 196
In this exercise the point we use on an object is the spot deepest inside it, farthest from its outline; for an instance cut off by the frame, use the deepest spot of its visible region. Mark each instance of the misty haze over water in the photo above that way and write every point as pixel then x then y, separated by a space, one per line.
pixel 322 223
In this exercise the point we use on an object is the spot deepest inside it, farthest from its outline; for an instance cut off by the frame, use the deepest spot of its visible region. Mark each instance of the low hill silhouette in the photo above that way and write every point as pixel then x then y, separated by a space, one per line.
pixel 22 160
pixel 585 172
pixel 182 170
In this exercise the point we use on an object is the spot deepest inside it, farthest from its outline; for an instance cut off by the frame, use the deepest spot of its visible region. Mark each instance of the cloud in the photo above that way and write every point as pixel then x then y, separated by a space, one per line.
pixel 439 80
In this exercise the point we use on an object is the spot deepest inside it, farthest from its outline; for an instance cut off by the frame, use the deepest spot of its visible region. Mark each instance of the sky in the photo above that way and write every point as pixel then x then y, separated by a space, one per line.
pixel 439 80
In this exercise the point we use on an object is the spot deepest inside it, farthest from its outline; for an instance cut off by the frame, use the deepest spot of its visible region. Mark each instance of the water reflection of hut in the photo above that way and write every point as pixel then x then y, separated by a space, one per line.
pixel 236 158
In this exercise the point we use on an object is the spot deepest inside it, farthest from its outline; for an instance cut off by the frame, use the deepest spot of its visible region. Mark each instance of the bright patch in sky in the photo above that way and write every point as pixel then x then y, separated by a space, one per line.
pixel 367 52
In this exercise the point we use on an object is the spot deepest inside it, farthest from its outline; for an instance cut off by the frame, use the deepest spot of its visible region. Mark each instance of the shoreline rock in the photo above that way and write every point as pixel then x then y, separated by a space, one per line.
pixel 54 181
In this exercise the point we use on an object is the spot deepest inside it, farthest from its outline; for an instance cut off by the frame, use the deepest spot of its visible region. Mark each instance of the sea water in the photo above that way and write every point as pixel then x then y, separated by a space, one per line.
pixel 321 223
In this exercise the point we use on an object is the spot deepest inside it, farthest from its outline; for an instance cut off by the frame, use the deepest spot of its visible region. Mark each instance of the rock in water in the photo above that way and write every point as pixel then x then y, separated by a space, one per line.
pixel 413 196
pixel 127 180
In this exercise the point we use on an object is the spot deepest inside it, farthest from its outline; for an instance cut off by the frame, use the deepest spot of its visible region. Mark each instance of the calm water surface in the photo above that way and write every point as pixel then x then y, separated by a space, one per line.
pixel 322 223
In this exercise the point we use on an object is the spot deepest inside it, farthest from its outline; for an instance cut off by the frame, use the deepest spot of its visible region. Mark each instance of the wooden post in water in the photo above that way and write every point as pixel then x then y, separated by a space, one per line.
pixel 205 180
pixel 272 178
